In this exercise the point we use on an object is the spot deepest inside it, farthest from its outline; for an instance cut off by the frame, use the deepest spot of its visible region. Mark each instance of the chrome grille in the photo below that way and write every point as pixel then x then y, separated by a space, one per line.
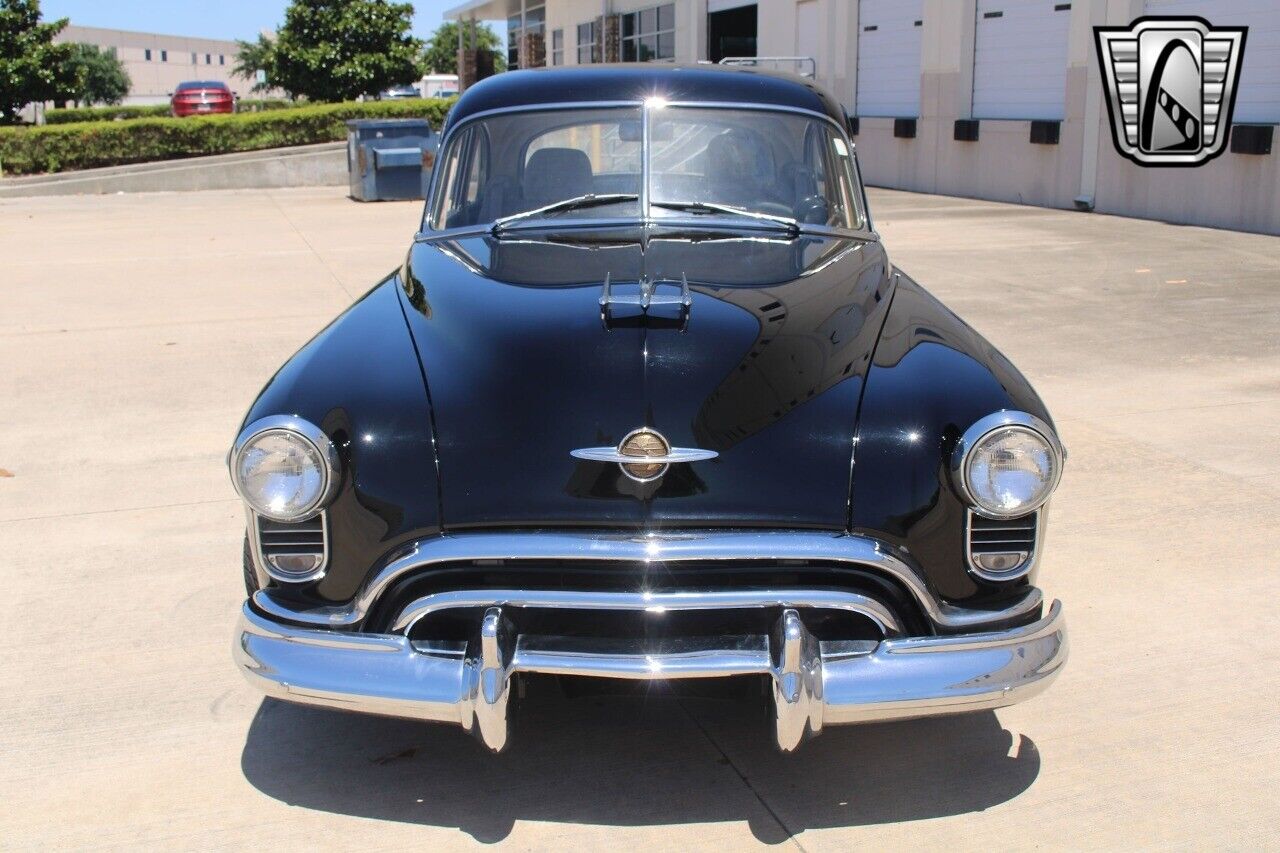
pixel 292 552
pixel 1002 548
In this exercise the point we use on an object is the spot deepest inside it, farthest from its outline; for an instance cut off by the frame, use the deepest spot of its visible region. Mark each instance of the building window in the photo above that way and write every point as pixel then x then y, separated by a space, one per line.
pixel 535 20
pixel 513 42
pixel 588 43
pixel 557 47
pixel 195 60
pixel 649 34
pixel 147 54
pixel 222 59
pixel 164 56
pixel 208 59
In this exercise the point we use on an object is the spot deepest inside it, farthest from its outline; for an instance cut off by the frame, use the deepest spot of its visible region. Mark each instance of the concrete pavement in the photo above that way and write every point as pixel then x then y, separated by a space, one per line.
pixel 135 330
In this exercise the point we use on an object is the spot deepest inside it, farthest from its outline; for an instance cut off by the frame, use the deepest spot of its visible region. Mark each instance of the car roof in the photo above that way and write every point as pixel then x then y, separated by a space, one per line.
pixel 636 82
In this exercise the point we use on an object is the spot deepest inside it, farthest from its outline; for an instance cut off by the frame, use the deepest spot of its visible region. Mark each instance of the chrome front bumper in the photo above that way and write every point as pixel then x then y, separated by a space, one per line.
pixel 814 683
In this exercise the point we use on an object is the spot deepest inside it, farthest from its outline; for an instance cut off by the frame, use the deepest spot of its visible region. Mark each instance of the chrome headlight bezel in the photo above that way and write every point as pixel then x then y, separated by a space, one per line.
pixel 296 428
pixel 961 458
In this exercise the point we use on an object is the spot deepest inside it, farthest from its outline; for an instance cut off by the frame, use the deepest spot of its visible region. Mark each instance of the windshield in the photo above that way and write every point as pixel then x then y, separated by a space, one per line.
pixel 766 167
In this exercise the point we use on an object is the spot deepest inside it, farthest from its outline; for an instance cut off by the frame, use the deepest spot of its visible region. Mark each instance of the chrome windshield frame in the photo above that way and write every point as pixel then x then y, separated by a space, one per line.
pixel 428 234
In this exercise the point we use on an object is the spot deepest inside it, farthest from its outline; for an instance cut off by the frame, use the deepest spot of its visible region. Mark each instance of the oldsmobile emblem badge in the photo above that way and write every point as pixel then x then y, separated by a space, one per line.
pixel 648 445
pixel 1171 87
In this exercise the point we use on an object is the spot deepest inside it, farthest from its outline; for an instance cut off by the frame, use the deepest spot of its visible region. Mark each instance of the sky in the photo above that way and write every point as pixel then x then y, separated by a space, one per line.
pixel 224 19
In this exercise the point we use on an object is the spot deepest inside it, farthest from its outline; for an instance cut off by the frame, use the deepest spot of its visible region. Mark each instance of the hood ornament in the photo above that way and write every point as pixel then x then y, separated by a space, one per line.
pixel 647 298
pixel 644 454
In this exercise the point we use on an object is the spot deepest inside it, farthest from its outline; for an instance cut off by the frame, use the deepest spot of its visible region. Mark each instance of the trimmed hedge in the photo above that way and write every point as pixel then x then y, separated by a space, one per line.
pixel 80 114
pixel 64 147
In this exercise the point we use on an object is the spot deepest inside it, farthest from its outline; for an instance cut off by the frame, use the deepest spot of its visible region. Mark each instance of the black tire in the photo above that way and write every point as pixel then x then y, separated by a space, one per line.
pixel 250 574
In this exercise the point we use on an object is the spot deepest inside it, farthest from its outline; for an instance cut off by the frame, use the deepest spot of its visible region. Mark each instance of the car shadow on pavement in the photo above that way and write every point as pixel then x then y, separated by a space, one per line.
pixel 650 758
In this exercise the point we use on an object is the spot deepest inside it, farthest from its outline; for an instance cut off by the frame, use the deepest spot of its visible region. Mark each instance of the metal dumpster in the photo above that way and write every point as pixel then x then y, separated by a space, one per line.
pixel 390 159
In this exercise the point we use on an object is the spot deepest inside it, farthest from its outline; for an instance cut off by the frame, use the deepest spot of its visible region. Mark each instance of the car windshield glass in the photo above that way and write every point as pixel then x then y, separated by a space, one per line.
pixel 769 168
pixel 506 165
pixel 782 165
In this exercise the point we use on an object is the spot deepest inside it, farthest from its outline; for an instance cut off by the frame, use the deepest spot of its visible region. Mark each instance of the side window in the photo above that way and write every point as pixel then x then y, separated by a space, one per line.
pixel 830 163
pixel 477 169
pixel 465 171
pixel 814 155
pixel 840 182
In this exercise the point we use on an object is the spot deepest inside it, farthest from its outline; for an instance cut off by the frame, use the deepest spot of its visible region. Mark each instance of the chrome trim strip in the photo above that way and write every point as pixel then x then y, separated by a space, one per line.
pixel 310 433
pixel 649 602
pixel 978 430
pixel 717 545
pixel 646 152
pixel 611 454
pixel 814 683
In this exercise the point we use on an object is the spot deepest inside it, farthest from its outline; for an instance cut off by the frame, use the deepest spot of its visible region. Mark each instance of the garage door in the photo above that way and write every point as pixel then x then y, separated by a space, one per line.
pixel 1020 59
pixel 1258 99
pixel 889 58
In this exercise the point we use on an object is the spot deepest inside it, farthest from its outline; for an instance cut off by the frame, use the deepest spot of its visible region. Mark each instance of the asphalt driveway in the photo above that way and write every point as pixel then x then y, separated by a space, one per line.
pixel 135 330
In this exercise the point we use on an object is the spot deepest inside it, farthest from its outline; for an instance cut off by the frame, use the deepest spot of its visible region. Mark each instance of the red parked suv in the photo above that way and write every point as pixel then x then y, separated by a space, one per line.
pixel 201 97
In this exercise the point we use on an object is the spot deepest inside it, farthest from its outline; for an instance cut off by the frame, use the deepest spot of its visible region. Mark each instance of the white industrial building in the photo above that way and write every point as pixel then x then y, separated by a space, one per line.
pixel 157 63
pixel 924 77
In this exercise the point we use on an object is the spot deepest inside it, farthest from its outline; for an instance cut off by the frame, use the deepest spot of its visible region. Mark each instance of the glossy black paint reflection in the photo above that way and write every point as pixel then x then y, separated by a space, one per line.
pixel 767 372
pixel 359 381
pixel 932 377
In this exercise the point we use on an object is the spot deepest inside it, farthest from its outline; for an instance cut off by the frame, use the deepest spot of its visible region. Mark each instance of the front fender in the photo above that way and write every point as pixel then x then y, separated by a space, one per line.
pixel 931 377
pixel 359 381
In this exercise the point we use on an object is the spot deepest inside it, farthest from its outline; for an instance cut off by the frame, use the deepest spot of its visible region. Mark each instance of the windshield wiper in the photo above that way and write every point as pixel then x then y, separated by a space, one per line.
pixel 791 225
pixel 575 203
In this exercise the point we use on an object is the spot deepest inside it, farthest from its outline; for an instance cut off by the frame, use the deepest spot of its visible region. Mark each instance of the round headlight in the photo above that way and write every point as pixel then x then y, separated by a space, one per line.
pixel 1008 464
pixel 286 469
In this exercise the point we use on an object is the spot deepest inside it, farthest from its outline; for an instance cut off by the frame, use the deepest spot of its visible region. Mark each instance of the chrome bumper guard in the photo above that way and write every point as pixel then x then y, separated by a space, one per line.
pixel 814 683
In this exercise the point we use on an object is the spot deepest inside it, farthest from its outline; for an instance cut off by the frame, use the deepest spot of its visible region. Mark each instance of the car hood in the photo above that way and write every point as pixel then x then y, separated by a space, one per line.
pixel 766 371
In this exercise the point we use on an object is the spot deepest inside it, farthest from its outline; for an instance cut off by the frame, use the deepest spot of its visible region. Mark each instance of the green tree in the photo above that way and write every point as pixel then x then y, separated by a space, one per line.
pixel 336 50
pixel 252 57
pixel 441 56
pixel 100 76
pixel 32 67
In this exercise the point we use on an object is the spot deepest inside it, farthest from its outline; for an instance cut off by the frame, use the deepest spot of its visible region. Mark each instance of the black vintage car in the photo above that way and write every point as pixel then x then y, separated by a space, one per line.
pixel 648 400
